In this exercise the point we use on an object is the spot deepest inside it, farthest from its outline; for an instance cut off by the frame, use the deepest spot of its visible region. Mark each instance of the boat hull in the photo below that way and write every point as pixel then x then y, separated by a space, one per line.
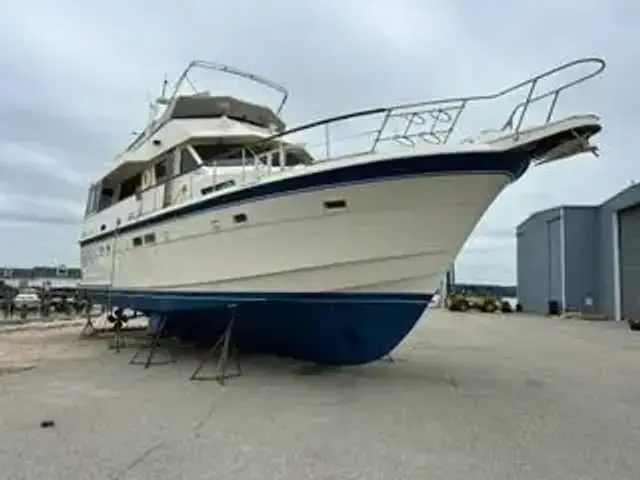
pixel 325 328
pixel 339 286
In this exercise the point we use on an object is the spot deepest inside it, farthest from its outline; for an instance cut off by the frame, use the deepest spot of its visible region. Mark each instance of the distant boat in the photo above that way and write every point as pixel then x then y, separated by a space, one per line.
pixel 328 239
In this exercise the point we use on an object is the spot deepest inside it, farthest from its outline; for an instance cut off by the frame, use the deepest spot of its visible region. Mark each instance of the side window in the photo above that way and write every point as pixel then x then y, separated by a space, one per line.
pixel 292 159
pixel 275 159
pixel 161 171
pixel 130 186
pixel 187 162
pixel 88 209
pixel 106 197
pixel 93 200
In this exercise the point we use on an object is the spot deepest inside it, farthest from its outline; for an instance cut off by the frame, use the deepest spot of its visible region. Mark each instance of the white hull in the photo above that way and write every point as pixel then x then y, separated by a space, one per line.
pixel 394 236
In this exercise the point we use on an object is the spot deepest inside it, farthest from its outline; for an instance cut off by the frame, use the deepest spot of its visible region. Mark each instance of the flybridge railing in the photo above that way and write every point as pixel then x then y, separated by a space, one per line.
pixel 185 79
pixel 432 122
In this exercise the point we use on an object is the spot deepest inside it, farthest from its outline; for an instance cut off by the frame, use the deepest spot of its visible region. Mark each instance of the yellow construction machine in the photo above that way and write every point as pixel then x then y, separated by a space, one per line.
pixel 464 301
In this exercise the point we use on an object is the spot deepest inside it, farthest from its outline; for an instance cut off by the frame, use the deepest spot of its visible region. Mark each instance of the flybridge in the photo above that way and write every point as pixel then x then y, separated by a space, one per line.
pixel 197 106
pixel 188 101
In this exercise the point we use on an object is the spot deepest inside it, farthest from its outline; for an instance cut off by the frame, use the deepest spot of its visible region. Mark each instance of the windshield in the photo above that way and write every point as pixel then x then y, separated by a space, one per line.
pixel 231 155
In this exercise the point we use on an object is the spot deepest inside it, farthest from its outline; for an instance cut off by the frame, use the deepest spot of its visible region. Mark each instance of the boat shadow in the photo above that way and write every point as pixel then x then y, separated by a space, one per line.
pixel 404 370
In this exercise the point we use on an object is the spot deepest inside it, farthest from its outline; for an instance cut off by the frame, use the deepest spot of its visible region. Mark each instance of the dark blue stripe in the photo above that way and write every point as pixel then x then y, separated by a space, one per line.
pixel 511 162
pixel 256 296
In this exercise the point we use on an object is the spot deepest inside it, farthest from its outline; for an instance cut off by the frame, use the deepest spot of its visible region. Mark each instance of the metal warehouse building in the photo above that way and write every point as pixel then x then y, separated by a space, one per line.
pixel 583 257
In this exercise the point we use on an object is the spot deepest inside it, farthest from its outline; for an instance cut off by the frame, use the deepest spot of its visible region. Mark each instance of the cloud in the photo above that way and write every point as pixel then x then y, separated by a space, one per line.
pixel 76 76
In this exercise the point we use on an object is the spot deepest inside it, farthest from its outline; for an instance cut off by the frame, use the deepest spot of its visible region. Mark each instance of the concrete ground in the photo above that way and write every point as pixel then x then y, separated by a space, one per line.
pixel 470 396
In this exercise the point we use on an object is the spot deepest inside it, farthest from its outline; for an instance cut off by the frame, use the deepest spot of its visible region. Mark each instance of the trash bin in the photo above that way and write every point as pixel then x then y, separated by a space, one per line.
pixel 554 307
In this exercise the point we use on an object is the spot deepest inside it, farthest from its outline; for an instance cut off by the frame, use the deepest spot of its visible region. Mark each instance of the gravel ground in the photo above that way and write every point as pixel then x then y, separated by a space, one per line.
pixel 470 396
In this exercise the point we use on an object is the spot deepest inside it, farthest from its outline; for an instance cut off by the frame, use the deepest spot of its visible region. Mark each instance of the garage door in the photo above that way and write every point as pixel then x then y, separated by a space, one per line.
pixel 629 234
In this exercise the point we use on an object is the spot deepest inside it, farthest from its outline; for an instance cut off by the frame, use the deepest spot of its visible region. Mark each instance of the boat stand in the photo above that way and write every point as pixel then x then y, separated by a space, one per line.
pixel 150 346
pixel 119 340
pixel 224 350
pixel 89 328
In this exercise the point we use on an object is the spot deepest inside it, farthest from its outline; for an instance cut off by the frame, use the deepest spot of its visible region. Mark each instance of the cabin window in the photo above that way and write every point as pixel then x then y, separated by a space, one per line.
pixel 227 155
pixel 221 155
pixel 187 162
pixel 161 171
pixel 106 198
pixel 150 238
pixel 240 218
pixel 292 159
pixel 231 155
pixel 217 187
pixel 137 241
pixel 87 210
pixel 225 184
pixel 335 204
pixel 92 200
pixel 130 186
pixel 99 198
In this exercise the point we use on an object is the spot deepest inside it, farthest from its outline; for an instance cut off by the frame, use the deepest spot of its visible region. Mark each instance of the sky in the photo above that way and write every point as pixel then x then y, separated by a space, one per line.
pixel 75 78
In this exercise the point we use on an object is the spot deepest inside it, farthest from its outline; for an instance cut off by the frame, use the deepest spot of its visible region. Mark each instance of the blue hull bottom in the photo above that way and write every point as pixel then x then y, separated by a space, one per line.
pixel 325 328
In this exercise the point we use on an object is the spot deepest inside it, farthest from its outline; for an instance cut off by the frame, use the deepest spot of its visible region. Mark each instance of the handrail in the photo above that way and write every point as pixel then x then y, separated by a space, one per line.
pixel 458 104
pixel 438 119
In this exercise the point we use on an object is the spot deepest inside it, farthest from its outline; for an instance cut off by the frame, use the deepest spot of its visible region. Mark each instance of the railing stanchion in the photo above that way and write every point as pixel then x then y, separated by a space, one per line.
pixel 244 164
pixel 526 106
pixel 327 140
pixel 553 106
pixel 455 121
pixel 382 127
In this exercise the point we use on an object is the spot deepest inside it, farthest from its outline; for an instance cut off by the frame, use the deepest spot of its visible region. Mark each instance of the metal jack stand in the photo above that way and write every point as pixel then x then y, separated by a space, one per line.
pixel 89 328
pixel 151 347
pixel 227 350
pixel 119 341
pixel 118 319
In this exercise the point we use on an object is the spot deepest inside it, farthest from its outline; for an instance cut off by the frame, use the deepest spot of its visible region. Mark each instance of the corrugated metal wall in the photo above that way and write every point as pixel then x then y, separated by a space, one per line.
pixel 554 262
pixel 589 256
pixel 539 266
pixel 581 226
pixel 606 262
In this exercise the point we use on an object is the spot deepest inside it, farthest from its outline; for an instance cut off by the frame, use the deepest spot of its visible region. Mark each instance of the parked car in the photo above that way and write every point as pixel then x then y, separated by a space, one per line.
pixel 27 299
